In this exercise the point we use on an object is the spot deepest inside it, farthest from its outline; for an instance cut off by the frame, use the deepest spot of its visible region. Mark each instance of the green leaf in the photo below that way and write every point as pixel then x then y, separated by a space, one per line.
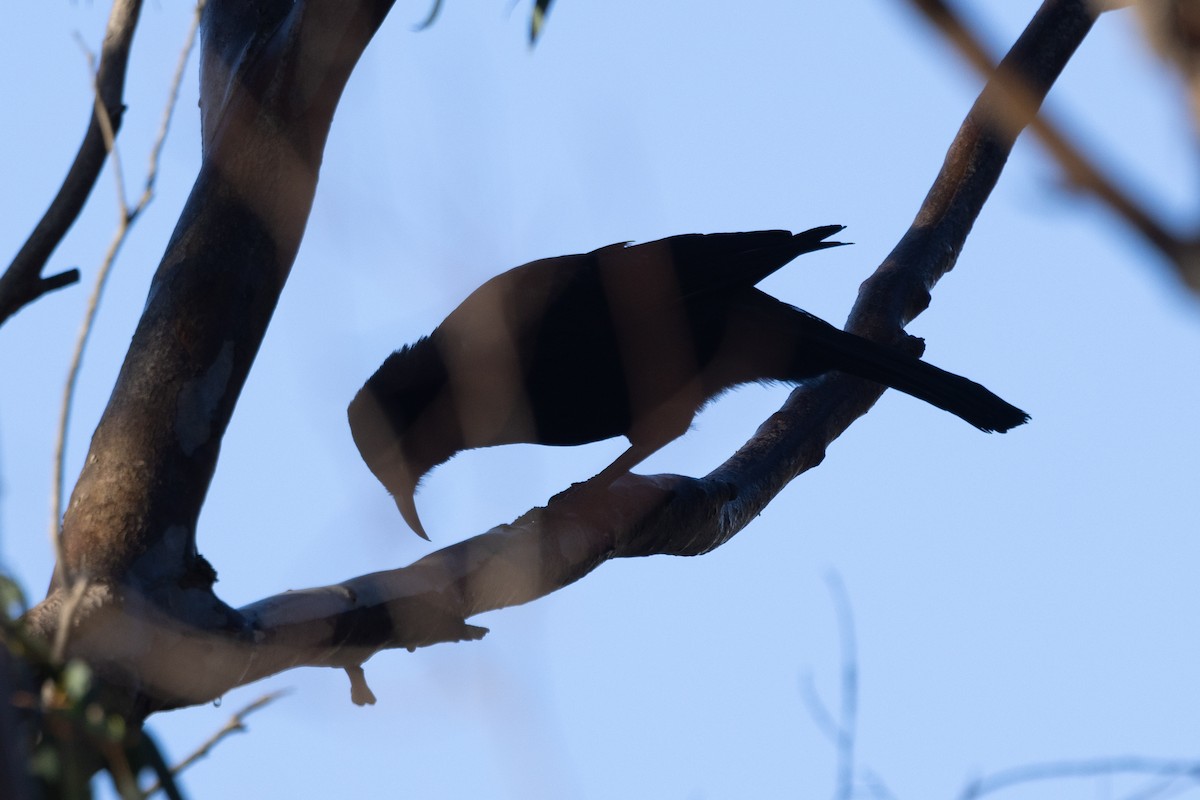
pixel 76 680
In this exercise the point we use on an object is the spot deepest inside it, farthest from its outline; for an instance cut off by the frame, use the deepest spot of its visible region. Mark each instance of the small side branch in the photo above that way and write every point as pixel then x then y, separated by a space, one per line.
pixel 236 724
pixel 843 732
pixel 1088 768
pixel 22 282
pixel 128 216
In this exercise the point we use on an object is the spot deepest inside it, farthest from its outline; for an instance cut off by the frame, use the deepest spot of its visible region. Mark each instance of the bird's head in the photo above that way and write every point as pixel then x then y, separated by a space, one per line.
pixel 403 425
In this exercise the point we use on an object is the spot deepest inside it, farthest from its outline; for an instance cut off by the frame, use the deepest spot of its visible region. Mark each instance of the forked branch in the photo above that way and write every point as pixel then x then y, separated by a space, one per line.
pixel 22 282
pixel 1081 173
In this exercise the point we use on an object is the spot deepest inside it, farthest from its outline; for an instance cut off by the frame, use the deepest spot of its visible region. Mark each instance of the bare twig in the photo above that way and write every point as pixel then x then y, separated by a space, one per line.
pixel 1173 30
pixel 236 724
pixel 1081 172
pixel 75 593
pixel 876 786
pixel 817 710
pixel 1087 768
pixel 22 282
pixel 185 53
pixel 1159 787
pixel 843 731
pixel 107 132
pixel 848 723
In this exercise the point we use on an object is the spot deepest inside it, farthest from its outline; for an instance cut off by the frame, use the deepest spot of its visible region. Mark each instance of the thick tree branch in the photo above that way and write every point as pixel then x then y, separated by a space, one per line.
pixel 22 282
pixel 271 75
pixel 1090 768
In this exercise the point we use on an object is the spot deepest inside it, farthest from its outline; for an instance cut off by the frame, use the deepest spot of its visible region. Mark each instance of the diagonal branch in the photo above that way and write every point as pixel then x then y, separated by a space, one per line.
pixel 1080 171
pixel 22 282
pixel 236 724
pixel 149 617
pixel 272 72
pixel 128 216
pixel 1087 768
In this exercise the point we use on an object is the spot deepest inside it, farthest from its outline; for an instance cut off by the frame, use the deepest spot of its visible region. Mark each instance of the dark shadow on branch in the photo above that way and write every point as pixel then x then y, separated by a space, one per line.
pixel 1085 768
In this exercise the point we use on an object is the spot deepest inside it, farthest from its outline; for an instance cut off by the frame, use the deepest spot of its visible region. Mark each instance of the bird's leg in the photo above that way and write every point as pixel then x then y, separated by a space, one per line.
pixel 635 455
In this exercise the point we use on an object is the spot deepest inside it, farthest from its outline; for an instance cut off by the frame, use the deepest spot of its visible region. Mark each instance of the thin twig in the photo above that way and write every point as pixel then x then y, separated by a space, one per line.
pixel 843 731
pixel 236 724
pixel 817 710
pixel 876 785
pixel 106 129
pixel 125 222
pixel 1089 768
pixel 848 722
pixel 63 633
pixel 185 53
pixel 1159 788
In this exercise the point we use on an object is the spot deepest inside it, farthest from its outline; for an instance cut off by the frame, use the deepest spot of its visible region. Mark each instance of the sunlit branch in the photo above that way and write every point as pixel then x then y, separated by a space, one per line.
pixel 126 219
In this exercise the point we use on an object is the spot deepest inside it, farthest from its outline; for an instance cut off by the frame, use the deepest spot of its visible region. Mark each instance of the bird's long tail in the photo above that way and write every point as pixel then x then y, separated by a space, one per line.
pixel 962 397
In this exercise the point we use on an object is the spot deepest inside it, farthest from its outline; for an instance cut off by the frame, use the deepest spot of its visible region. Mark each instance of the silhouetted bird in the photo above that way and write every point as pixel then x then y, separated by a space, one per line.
pixel 623 341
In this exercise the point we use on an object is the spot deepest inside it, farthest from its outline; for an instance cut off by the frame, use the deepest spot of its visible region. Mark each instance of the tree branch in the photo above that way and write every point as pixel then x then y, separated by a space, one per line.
pixel 22 282
pixel 1088 768
pixel 1082 174
pixel 149 617
pixel 272 73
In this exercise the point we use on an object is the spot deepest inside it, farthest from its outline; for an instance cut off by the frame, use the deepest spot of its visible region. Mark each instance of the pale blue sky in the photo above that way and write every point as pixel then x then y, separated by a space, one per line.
pixel 1018 598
